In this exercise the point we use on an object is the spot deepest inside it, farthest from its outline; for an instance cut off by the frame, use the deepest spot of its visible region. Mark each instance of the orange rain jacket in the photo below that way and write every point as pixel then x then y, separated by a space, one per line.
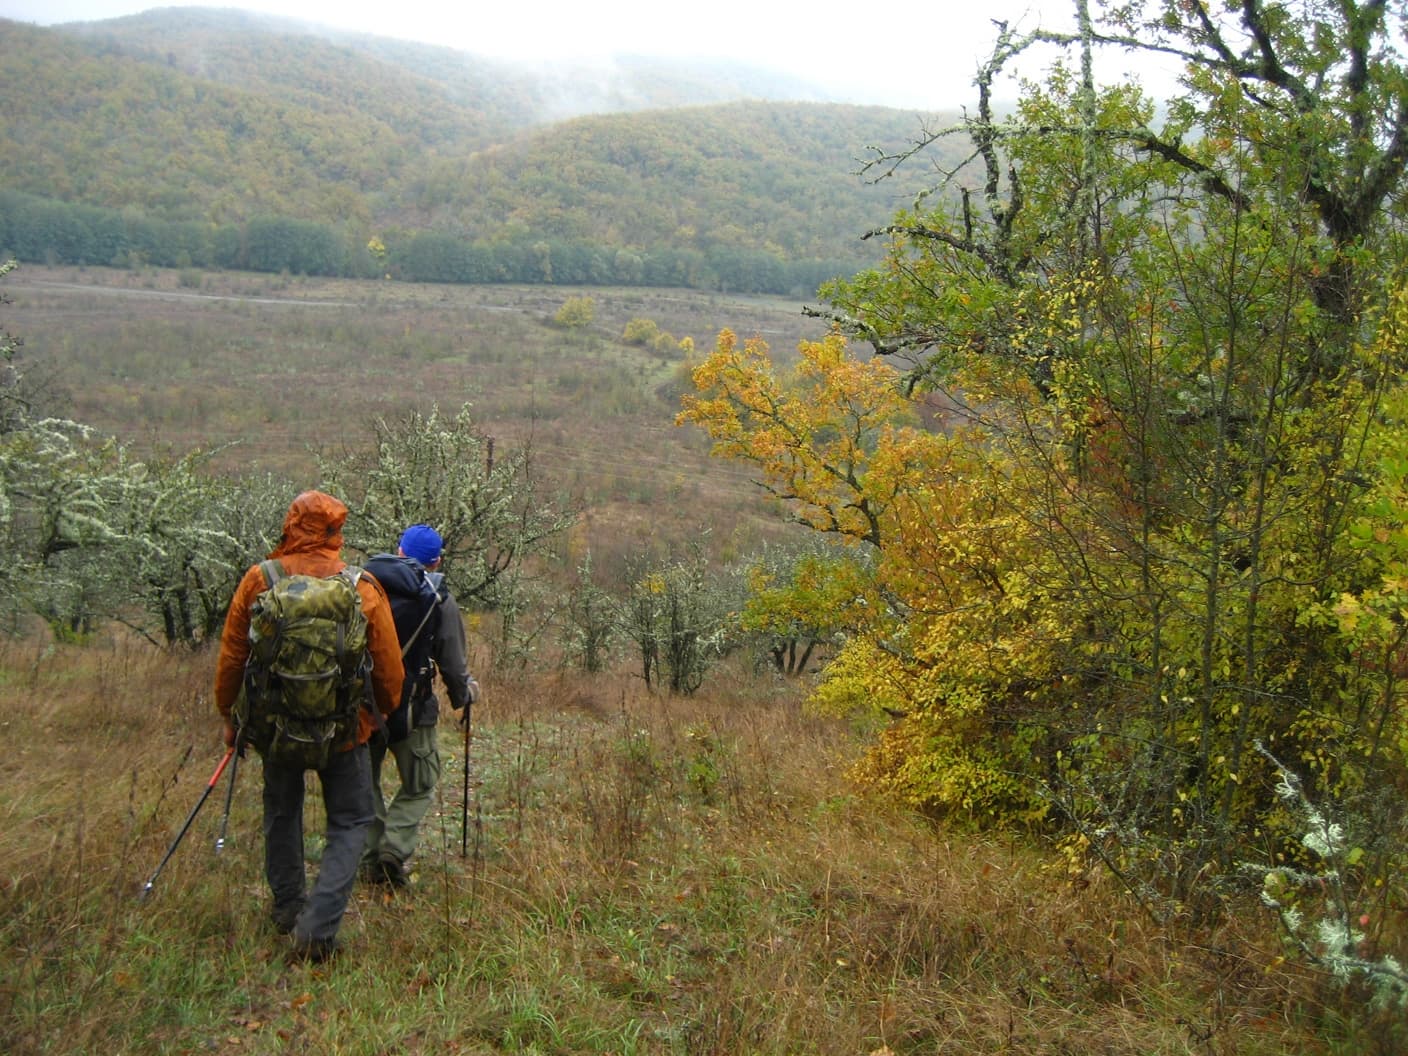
pixel 311 546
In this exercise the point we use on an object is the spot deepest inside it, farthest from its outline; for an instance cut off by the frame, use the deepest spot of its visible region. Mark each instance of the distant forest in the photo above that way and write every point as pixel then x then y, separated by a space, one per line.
pixel 216 139
pixel 45 231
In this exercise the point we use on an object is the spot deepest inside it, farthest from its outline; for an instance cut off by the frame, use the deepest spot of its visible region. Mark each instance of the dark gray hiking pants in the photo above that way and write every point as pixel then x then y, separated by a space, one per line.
pixel 347 801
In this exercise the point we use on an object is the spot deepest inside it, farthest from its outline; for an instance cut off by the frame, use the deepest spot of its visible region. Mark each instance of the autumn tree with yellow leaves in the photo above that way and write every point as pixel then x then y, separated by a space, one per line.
pixel 1167 529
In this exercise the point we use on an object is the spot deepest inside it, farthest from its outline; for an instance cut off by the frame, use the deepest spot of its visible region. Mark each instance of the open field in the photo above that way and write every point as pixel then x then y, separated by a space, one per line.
pixel 282 367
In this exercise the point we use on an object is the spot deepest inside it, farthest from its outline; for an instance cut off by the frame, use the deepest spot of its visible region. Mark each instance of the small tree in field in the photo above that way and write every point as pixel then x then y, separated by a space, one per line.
pixel 159 544
pixel 803 597
pixel 576 313
pixel 641 332
pixel 677 618
pixel 589 622
pixel 487 503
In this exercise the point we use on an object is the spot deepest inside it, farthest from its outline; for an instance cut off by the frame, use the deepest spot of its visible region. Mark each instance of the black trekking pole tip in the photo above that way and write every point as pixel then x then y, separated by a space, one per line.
pixel 146 890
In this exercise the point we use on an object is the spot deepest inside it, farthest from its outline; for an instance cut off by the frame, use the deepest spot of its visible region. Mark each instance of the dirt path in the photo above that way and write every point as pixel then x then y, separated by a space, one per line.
pixel 43 284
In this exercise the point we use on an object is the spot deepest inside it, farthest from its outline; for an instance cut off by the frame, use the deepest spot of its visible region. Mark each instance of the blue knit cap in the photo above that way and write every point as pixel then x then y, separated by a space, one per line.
pixel 421 542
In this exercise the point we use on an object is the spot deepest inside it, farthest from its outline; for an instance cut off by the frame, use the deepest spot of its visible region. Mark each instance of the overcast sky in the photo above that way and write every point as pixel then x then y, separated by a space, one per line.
pixel 906 53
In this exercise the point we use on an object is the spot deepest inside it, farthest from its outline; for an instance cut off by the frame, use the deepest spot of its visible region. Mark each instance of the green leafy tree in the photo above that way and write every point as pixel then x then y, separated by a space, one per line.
pixel 590 623
pixel 677 616
pixel 159 545
pixel 186 538
pixel 641 332
pixel 803 597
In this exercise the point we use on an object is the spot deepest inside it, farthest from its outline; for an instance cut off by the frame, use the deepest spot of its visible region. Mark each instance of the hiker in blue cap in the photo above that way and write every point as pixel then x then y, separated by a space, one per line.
pixel 431 632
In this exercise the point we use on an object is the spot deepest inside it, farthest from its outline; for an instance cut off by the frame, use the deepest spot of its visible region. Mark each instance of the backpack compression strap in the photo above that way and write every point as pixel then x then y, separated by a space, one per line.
pixel 354 574
pixel 259 675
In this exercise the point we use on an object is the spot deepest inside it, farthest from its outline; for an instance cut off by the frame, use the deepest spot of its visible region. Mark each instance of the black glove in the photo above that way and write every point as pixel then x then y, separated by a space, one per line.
pixel 398 725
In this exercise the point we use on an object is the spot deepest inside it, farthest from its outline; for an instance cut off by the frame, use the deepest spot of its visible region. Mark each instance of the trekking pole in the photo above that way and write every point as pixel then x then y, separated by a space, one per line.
pixel 464 800
pixel 469 703
pixel 209 786
pixel 230 792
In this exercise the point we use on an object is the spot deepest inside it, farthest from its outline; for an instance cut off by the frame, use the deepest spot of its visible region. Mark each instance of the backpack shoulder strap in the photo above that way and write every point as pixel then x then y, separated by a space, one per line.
pixel 273 571
pixel 353 575
pixel 429 612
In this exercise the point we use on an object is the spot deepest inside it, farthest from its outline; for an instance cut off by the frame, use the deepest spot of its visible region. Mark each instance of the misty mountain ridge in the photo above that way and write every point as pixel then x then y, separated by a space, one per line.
pixel 221 117
pixel 555 89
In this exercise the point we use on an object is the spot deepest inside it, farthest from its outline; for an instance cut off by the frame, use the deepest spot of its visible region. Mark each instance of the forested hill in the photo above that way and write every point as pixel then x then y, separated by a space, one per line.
pixel 750 176
pixel 114 131
pixel 84 121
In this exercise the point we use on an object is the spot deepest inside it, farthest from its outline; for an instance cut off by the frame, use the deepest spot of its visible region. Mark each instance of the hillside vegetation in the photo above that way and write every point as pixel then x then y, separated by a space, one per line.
pixel 224 119
pixel 742 176
pixel 218 43
pixel 85 123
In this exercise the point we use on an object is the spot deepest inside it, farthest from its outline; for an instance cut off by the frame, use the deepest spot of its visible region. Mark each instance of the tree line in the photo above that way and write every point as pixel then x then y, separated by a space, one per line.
pixel 45 231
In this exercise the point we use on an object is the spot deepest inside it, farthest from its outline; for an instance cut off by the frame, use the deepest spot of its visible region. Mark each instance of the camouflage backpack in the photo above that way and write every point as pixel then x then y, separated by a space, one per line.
pixel 307 674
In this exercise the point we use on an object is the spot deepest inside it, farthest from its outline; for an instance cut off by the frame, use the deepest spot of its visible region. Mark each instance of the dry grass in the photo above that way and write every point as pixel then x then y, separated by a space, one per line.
pixel 644 876
pixel 283 368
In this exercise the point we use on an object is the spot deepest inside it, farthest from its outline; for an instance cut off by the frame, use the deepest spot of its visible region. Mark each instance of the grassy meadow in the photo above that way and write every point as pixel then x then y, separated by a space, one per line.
pixel 274 369
pixel 628 873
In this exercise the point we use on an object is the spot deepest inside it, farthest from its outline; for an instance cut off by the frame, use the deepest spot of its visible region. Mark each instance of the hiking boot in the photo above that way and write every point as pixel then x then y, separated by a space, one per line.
pixel 369 872
pixel 310 951
pixel 393 872
pixel 286 916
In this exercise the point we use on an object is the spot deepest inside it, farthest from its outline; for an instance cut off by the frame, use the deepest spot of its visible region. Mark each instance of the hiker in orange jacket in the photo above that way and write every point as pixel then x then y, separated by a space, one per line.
pixel 312 545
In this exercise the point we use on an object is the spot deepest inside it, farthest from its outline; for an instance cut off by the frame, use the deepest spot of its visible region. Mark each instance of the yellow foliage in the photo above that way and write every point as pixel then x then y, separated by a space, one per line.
pixel 810 435
pixel 862 679
pixel 953 555
pixel 576 313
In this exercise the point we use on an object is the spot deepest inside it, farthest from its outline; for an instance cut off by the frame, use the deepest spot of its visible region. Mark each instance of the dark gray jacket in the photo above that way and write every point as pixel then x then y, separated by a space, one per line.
pixel 451 661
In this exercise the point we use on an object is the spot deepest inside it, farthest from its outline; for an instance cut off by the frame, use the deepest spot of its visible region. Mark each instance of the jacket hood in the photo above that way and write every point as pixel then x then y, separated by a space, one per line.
pixel 401 576
pixel 313 524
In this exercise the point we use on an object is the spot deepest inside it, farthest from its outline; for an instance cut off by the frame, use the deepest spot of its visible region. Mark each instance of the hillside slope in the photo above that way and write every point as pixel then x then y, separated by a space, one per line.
pixel 221 117
pixel 772 176
pixel 233 47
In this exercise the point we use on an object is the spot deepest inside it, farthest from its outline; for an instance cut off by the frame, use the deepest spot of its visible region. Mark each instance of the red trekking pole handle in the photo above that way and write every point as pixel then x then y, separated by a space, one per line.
pixel 209 787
